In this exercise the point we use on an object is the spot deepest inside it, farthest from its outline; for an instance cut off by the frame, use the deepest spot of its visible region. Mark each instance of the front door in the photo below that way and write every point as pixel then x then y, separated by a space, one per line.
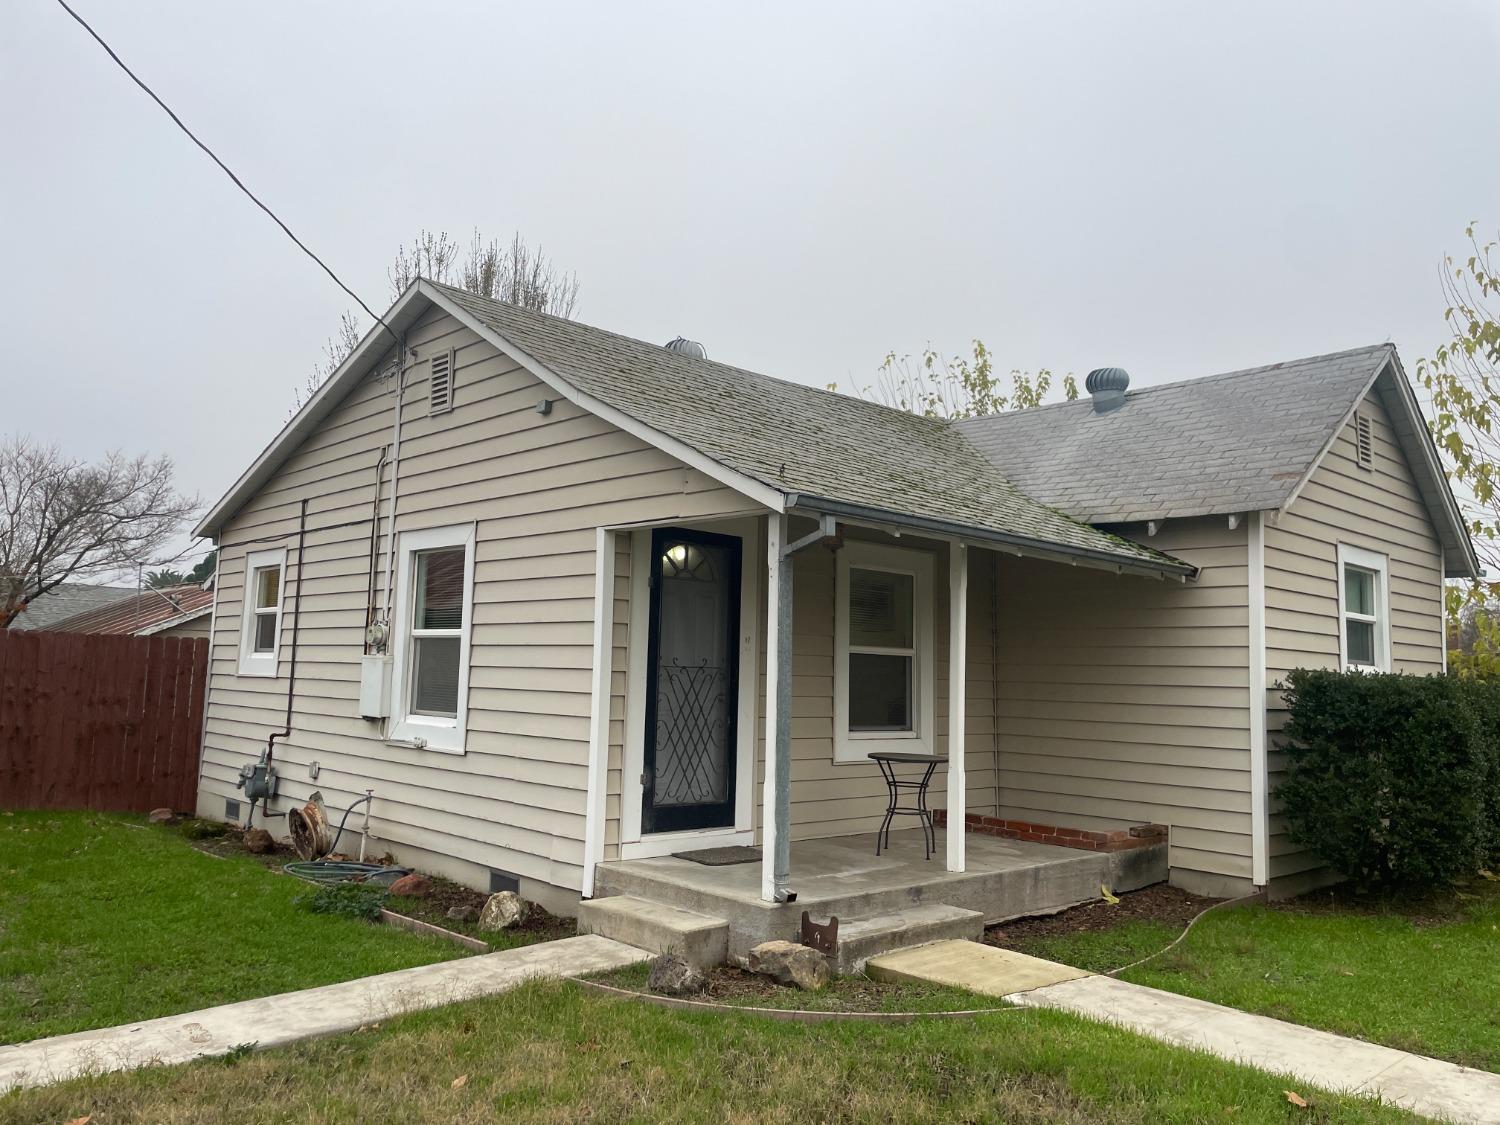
pixel 692 686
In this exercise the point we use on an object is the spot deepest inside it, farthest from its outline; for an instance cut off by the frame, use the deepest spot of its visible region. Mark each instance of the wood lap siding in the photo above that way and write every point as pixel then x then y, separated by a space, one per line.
pixel 537 487
pixel 1378 509
pixel 1125 699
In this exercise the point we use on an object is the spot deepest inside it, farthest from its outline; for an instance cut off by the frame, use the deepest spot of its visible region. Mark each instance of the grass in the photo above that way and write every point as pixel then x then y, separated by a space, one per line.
pixel 549 1053
pixel 104 920
pixel 1417 973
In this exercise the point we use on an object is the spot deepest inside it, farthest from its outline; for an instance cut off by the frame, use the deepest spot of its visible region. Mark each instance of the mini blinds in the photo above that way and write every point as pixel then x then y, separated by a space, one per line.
pixel 1364 442
pixel 882 636
pixel 880 604
pixel 440 383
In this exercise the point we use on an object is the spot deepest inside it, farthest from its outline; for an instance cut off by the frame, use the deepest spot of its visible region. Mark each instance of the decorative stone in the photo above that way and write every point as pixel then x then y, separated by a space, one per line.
pixel 462 913
pixel 504 910
pixel 786 962
pixel 258 841
pixel 412 886
pixel 671 975
pixel 162 816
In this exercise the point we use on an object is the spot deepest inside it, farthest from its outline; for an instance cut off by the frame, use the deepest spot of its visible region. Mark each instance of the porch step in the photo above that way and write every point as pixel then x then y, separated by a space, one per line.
pixel 863 938
pixel 702 939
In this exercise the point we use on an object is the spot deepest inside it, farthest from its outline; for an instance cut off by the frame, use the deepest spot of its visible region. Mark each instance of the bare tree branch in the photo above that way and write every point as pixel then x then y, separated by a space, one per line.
pixel 939 386
pixel 65 520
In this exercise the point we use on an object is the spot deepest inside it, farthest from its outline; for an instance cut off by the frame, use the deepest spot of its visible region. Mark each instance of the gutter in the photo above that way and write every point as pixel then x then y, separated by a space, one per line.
pixel 1168 567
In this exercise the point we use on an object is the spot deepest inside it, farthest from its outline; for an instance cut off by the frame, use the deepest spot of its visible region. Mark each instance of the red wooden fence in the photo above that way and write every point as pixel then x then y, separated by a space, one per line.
pixel 100 722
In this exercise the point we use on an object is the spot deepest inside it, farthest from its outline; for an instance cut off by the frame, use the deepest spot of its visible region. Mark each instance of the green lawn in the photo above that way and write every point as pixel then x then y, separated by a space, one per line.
pixel 104 920
pixel 550 1053
pixel 1419 975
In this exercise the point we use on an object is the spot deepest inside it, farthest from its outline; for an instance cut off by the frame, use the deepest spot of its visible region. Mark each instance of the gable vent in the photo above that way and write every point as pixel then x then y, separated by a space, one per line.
pixel 440 384
pixel 1364 442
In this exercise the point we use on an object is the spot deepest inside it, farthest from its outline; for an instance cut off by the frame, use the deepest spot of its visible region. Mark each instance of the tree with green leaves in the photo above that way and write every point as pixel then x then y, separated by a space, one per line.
pixel 960 386
pixel 1462 380
pixel 165 579
pixel 205 568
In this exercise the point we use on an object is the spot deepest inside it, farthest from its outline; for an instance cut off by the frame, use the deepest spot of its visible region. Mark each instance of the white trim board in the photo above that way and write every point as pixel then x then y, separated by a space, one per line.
pixel 595 822
pixel 1260 831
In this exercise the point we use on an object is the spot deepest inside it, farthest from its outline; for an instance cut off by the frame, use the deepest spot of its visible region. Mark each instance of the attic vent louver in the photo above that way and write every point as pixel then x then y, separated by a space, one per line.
pixel 440 383
pixel 1364 442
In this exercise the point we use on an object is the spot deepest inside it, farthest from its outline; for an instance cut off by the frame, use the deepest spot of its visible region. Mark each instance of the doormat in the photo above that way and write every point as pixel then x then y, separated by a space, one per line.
pixel 721 857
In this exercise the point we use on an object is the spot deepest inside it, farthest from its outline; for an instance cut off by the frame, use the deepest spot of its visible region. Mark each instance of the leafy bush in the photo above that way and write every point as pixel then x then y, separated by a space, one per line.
pixel 349 900
pixel 1390 779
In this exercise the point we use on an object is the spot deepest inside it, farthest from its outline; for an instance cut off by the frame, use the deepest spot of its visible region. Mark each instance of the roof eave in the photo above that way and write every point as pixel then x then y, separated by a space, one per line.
pixel 1018 544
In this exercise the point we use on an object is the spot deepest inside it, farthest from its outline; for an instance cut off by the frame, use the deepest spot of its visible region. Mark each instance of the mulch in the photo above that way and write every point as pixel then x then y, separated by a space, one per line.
pixel 1161 903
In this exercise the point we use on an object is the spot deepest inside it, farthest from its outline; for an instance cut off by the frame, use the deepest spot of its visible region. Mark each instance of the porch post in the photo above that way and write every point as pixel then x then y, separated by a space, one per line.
pixel 599 703
pixel 958 663
pixel 777 788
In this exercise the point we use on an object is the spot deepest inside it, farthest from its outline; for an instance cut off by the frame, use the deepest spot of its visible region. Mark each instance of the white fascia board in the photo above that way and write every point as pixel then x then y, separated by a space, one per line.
pixel 377 341
pixel 180 619
pixel 763 494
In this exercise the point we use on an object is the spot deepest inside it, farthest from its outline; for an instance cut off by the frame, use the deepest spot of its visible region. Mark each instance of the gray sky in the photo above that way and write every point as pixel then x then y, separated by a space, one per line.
pixel 1176 188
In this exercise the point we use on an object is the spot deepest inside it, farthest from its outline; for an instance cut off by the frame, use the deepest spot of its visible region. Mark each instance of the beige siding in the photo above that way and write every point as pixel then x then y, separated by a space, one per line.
pixel 1125 699
pixel 1379 510
pixel 198 627
pixel 536 487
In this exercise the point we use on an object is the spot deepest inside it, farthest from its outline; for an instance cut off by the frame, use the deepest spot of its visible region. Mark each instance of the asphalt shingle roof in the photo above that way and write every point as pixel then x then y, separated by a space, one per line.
pixel 66 600
pixel 1235 442
pixel 797 439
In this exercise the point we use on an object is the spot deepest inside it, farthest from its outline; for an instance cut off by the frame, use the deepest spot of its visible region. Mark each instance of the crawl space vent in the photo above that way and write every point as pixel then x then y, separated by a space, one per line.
pixel 440 384
pixel 1364 443
pixel 231 809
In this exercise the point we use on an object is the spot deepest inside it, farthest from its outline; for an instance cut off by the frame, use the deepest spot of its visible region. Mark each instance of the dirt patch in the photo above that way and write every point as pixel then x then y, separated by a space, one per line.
pixel 433 907
pixel 1161 903
pixel 729 984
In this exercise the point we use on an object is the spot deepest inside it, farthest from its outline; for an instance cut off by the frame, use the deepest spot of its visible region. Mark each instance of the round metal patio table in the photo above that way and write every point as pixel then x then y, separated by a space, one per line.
pixel 895 786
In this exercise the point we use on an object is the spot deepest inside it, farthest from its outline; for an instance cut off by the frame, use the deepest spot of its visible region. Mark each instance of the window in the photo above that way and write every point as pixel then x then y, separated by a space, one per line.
pixel 430 678
pixel 1364 622
pixel 883 680
pixel 260 637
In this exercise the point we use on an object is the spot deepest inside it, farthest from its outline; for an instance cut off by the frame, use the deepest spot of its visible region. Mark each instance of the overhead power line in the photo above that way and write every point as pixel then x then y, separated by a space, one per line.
pixel 83 23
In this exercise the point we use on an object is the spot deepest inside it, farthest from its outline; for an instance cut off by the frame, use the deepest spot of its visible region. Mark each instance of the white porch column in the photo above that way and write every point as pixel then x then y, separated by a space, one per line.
pixel 958 666
pixel 599 701
pixel 776 791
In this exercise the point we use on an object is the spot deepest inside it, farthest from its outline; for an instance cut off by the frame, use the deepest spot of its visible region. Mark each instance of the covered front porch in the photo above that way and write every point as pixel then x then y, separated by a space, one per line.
pixel 747 668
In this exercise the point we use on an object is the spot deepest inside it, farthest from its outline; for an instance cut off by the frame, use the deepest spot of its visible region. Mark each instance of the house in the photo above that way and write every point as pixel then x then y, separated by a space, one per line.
pixel 639 604
pixel 65 600
pixel 173 611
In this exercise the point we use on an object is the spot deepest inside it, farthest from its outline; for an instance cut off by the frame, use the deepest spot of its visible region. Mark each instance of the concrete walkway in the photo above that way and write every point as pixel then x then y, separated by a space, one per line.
pixel 1428 1086
pixel 273 1021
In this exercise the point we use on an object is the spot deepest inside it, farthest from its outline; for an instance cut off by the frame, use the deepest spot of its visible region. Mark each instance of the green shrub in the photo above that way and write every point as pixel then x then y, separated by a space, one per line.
pixel 1387 775
pixel 349 900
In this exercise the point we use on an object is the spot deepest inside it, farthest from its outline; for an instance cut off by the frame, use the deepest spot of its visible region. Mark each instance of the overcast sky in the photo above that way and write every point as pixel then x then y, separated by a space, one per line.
pixel 1175 188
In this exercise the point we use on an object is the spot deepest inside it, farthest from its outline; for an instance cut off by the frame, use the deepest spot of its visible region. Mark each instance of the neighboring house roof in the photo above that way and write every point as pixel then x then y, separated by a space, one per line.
pixel 788 444
pixel 66 600
pixel 1237 442
pixel 150 611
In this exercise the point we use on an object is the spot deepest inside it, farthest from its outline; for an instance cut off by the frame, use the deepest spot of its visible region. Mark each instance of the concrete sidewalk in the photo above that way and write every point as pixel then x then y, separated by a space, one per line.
pixel 273 1021
pixel 1319 1058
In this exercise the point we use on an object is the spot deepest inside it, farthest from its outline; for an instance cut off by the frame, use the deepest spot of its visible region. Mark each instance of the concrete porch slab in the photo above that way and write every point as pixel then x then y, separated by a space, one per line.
pixel 984 969
pixel 844 877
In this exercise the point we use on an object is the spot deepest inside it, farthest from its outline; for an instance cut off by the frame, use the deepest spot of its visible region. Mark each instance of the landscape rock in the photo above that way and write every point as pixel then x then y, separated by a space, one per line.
pixel 786 962
pixel 258 841
pixel 671 975
pixel 462 913
pixel 504 910
pixel 414 885
pixel 162 816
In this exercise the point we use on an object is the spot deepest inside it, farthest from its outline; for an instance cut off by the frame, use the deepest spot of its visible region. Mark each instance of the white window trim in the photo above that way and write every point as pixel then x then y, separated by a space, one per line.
pixel 432 732
pixel 851 747
pixel 254 663
pixel 1378 565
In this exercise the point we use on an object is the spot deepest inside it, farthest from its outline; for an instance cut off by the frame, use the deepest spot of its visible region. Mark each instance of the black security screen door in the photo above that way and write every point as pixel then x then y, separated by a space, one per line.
pixel 692 688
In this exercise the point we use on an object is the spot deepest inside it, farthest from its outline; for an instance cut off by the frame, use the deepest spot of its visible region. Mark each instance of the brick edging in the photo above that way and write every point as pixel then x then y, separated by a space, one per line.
pixel 1119 840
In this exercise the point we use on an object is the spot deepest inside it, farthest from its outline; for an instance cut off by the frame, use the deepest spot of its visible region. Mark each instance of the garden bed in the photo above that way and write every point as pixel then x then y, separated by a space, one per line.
pixel 739 988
